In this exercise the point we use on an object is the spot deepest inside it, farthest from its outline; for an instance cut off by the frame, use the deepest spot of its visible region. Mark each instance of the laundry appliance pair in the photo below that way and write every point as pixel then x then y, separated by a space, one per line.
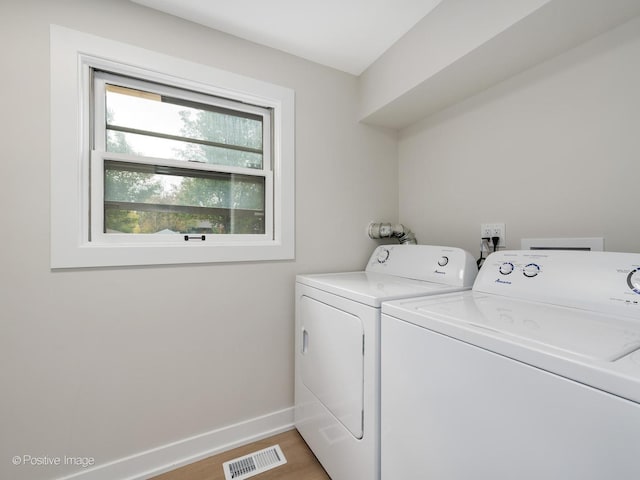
pixel 533 373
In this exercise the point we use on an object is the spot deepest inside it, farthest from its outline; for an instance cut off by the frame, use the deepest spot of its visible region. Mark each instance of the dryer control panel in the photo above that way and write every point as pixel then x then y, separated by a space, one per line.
pixel 447 265
pixel 602 281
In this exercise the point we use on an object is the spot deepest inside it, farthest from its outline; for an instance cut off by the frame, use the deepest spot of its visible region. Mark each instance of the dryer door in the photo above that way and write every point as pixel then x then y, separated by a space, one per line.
pixel 332 360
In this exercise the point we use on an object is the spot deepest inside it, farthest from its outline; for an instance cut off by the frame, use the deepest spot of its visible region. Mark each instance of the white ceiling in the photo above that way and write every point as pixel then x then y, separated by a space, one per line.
pixel 347 35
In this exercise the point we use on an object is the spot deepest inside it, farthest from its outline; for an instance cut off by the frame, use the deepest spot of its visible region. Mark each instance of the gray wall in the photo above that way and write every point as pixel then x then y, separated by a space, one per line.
pixel 552 152
pixel 110 362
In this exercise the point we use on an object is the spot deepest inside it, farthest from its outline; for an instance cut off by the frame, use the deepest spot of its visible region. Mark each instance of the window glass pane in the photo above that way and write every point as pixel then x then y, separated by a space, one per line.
pixel 197 131
pixel 157 199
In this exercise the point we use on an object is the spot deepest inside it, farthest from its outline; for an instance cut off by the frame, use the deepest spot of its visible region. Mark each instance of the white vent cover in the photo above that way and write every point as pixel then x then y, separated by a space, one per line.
pixel 254 463
pixel 595 244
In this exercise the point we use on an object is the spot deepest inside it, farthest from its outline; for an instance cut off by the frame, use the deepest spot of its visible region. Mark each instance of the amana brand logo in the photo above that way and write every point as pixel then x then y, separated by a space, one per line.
pixel 441 273
pixel 506 282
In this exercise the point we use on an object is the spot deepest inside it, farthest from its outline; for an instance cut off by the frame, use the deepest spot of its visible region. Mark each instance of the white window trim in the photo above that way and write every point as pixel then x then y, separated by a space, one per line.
pixel 72 54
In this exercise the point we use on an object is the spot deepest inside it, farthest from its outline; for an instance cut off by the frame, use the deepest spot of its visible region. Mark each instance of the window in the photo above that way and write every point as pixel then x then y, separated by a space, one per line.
pixel 187 164
pixel 174 162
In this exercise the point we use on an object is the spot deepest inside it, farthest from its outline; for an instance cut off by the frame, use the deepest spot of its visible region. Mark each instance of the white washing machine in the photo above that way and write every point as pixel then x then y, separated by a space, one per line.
pixel 534 374
pixel 337 341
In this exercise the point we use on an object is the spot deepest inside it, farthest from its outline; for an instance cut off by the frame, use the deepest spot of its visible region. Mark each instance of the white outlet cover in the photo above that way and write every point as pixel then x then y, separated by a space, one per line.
pixel 497 230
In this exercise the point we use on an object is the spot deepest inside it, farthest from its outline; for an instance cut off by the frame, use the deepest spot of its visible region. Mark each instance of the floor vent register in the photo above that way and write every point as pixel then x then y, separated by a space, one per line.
pixel 254 463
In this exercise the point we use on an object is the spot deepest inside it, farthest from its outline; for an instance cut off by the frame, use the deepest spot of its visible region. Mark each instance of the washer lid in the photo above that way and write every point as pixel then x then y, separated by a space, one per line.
pixel 371 288
pixel 579 332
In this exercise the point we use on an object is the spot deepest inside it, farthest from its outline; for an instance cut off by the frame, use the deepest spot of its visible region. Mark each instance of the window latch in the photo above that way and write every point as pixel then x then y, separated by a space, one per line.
pixel 195 237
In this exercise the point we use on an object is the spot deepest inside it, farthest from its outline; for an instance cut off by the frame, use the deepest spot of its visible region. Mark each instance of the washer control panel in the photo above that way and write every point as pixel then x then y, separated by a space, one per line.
pixel 602 281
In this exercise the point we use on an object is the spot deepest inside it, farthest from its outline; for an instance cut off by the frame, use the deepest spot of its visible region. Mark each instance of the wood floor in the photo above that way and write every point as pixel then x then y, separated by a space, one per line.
pixel 301 463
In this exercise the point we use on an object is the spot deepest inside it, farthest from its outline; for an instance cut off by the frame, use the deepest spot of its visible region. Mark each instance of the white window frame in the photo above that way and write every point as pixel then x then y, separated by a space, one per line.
pixel 73 55
pixel 99 155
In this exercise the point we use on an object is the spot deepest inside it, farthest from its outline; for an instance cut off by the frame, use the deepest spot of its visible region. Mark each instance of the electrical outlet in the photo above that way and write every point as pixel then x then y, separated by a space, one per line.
pixel 488 230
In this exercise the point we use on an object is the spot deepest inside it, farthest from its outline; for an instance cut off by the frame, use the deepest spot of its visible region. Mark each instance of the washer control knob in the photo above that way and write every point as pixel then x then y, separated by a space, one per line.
pixel 383 255
pixel 506 268
pixel 633 280
pixel 443 261
pixel 531 270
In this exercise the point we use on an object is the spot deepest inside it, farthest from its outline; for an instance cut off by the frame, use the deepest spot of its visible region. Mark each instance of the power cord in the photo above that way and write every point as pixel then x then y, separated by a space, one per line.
pixel 494 242
pixel 484 248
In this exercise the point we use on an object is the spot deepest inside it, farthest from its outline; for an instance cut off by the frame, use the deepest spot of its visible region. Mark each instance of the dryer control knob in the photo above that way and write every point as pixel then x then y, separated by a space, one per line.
pixel 383 255
pixel 506 268
pixel 633 280
pixel 443 261
pixel 531 270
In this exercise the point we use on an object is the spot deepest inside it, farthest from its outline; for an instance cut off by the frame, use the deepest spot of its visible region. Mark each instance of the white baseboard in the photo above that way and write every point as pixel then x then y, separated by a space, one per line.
pixel 183 452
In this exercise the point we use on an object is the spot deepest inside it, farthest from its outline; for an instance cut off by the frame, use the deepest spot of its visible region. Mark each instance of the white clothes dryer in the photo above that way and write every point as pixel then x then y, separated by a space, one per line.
pixel 337 342
pixel 534 374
